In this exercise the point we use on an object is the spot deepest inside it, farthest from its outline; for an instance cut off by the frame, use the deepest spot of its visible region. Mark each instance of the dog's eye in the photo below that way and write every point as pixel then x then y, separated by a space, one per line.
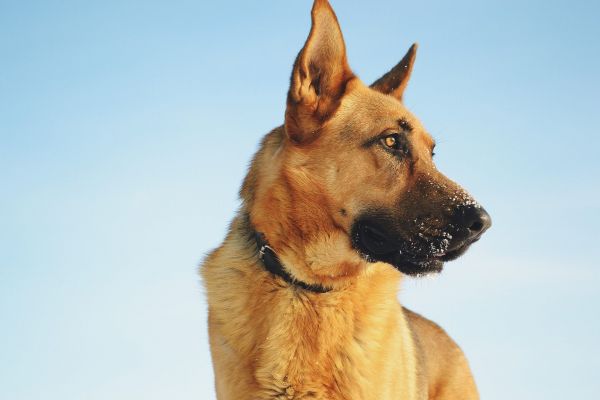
pixel 392 142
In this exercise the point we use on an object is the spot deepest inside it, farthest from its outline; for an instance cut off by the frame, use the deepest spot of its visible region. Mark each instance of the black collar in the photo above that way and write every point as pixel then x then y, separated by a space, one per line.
pixel 272 264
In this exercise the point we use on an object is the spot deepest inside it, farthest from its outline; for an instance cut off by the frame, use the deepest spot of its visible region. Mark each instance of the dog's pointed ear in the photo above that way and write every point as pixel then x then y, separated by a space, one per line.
pixel 396 80
pixel 319 76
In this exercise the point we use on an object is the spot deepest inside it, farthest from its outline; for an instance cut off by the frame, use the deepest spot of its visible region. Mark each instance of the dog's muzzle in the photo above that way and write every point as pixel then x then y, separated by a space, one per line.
pixel 417 249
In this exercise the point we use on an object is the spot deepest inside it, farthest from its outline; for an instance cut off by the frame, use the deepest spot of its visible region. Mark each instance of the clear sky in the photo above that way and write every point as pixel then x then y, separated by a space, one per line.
pixel 126 128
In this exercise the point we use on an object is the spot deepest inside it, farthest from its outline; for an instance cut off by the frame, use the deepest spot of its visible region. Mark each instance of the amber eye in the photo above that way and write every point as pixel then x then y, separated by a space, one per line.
pixel 391 141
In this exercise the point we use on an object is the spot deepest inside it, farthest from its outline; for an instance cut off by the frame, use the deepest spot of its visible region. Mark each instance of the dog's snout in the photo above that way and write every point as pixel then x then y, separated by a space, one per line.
pixel 473 220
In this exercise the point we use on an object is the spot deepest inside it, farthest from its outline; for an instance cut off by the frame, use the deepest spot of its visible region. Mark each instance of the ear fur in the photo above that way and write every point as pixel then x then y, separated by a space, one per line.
pixel 319 76
pixel 396 80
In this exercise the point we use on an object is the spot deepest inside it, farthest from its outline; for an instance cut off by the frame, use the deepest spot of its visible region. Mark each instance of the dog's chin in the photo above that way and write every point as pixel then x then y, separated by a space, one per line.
pixel 409 266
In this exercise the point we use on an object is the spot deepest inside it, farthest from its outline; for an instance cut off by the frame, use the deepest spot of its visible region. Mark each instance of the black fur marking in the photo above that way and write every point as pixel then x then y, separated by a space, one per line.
pixel 405 125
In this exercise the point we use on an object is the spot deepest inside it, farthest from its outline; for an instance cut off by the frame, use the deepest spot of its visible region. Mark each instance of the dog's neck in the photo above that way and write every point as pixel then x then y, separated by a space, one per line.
pixel 283 337
pixel 271 263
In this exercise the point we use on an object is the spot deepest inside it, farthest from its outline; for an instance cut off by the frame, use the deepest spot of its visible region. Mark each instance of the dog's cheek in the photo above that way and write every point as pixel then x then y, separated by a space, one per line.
pixel 331 256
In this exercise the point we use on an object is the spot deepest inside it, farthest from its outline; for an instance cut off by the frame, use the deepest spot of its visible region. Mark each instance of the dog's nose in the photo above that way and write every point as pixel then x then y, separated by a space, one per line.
pixel 472 221
pixel 478 220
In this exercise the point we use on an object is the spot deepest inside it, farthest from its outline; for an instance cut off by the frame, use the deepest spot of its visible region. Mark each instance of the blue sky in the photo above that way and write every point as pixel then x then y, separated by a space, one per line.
pixel 126 128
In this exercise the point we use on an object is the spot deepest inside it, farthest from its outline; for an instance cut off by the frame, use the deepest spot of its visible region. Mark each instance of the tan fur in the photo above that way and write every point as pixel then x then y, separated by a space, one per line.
pixel 310 178
pixel 444 368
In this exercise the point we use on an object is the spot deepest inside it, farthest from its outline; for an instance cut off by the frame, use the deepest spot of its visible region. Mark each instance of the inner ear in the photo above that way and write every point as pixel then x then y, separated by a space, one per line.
pixel 395 81
pixel 319 76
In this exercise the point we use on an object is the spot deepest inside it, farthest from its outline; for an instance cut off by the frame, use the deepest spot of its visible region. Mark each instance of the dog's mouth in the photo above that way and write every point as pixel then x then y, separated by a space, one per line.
pixel 419 256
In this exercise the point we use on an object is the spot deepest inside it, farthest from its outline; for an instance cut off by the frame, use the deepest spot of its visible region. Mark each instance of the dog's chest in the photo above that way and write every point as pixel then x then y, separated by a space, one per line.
pixel 315 351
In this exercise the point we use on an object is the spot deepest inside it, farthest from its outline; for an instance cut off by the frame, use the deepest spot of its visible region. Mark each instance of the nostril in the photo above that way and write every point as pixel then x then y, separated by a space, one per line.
pixel 476 226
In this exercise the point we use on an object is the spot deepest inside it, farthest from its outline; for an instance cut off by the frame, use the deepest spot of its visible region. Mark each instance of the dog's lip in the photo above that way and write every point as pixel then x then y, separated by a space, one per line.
pixel 457 251
pixel 397 256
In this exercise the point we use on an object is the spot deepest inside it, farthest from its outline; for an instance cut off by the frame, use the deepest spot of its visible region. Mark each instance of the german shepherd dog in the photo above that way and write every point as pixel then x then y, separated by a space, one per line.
pixel 339 204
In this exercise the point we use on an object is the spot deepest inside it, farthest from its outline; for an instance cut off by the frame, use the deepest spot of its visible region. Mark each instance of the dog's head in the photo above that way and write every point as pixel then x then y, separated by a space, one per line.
pixel 350 179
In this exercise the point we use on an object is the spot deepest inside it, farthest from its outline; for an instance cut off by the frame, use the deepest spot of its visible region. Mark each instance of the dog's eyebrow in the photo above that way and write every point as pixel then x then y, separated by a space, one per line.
pixel 405 125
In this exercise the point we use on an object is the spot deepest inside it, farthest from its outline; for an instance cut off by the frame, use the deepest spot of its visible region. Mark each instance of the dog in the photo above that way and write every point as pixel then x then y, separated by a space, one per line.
pixel 339 203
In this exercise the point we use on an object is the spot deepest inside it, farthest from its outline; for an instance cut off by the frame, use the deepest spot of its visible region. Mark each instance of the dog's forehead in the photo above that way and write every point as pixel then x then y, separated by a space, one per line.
pixel 365 112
